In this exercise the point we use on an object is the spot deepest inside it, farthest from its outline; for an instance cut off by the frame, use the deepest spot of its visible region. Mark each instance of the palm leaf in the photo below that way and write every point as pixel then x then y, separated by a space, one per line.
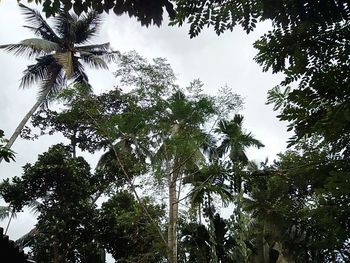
pixel 27 239
pixel 86 27
pixel 32 47
pixel 5 212
pixel 79 75
pixel 55 81
pixel 38 25
pixel 64 25
pixel 37 72
pixel 98 47
pixel 93 60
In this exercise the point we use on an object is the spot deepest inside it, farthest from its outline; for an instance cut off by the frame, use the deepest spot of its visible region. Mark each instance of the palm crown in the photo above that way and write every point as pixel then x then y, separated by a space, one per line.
pixel 235 140
pixel 60 50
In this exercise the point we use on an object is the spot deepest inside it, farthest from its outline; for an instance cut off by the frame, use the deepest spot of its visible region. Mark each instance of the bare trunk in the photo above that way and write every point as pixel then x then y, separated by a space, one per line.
pixel 172 227
pixel 24 121
pixel 9 222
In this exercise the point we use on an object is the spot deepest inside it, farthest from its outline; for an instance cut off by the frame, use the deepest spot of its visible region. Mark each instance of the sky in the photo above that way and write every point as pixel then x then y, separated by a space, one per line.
pixel 216 60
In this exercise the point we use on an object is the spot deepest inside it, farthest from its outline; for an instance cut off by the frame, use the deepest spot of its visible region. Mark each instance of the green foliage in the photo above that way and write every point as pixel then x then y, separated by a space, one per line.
pixel 301 203
pixel 5 153
pixel 308 44
pixel 197 244
pixel 63 186
pixel 77 120
pixel 126 232
pixel 147 12
pixel 225 15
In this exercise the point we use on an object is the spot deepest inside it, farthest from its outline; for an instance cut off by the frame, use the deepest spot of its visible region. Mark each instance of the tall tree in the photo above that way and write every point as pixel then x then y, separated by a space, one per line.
pixel 60 52
pixel 63 187
pixel 234 144
pixel 156 118
pixel 180 151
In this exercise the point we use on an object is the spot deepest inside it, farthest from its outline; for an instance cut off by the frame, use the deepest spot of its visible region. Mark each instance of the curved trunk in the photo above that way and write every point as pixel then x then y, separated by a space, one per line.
pixel 25 120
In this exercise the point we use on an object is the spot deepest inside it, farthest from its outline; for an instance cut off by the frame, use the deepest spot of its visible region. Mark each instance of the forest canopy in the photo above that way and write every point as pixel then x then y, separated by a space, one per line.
pixel 171 158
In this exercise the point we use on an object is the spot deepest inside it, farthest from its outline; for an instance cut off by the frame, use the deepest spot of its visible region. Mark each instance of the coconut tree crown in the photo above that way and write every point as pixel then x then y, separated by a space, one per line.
pixel 60 50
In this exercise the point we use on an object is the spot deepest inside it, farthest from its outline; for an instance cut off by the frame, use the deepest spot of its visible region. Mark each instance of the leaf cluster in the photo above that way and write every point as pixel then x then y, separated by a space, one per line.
pixel 146 12
pixel 5 153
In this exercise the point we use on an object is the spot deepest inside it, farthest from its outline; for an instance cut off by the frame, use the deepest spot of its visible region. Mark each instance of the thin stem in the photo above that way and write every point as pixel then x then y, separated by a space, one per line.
pixel 9 222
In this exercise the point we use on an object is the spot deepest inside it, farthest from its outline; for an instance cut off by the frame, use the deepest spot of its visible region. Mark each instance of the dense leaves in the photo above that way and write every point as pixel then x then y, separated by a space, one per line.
pixel 225 15
pixel 147 12
pixel 125 230
pixel 63 187
pixel 5 153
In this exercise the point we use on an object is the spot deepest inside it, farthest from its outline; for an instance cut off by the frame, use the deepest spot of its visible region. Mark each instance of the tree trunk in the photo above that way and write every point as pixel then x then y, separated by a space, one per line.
pixel 25 120
pixel 173 213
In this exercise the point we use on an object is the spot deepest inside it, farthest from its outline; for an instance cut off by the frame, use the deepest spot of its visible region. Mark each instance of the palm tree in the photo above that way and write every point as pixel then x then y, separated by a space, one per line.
pixel 180 152
pixel 235 141
pixel 60 51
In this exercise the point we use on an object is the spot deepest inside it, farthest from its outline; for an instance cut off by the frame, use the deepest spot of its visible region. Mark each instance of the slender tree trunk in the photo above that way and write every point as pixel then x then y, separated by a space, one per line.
pixel 199 213
pixel 9 222
pixel 173 214
pixel 25 120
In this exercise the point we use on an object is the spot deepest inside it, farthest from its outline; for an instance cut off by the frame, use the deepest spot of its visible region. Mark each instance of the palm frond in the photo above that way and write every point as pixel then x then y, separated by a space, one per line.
pixel 93 60
pixel 251 141
pixel 34 205
pixel 37 72
pixel 27 239
pixel 79 75
pixel 86 27
pixel 64 25
pixel 55 81
pixel 101 50
pixel 38 25
pixel 98 47
pixel 5 212
pixel 238 119
pixel 32 47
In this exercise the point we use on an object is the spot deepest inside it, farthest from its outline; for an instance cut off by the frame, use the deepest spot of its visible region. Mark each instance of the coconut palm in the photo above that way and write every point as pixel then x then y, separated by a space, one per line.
pixel 235 141
pixel 61 51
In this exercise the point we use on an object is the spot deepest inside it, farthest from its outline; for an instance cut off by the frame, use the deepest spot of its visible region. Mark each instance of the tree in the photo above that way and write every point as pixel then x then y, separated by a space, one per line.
pixel 299 205
pixel 60 53
pixel 155 129
pixel 234 143
pixel 126 231
pixel 308 44
pixel 198 245
pixel 225 15
pixel 64 187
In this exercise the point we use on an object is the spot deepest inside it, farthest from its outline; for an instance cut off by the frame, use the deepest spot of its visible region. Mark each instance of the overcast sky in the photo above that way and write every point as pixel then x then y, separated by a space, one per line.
pixel 216 60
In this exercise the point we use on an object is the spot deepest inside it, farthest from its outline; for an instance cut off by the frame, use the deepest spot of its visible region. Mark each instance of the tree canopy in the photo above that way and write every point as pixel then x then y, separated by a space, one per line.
pixel 173 156
pixel 147 11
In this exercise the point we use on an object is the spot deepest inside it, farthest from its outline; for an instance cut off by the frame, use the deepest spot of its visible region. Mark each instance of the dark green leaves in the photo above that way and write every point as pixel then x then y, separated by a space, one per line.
pixel 147 12
pixel 5 153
